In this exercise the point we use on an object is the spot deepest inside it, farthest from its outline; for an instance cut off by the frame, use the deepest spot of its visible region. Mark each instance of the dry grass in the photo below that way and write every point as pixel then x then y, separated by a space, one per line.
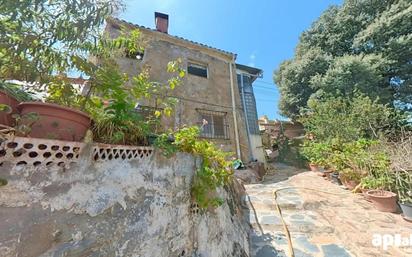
pixel 400 153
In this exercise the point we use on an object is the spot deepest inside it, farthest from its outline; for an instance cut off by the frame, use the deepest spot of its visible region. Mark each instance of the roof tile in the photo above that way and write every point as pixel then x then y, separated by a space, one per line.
pixel 181 38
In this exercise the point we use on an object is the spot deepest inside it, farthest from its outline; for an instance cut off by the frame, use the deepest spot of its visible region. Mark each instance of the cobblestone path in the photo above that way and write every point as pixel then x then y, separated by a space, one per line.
pixel 320 224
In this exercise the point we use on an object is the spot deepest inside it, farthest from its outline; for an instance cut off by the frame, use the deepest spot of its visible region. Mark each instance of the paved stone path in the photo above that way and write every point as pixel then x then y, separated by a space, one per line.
pixel 320 224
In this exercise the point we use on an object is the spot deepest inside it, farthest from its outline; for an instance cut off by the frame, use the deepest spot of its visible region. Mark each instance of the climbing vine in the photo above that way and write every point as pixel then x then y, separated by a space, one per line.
pixel 215 170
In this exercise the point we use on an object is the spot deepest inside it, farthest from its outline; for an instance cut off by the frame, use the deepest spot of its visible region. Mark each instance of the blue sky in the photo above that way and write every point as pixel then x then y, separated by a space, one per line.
pixel 262 32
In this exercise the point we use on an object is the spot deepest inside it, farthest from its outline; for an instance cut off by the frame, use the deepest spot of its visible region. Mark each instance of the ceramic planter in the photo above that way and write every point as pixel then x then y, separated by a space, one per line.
pixel 407 210
pixel 6 118
pixel 56 122
pixel 384 201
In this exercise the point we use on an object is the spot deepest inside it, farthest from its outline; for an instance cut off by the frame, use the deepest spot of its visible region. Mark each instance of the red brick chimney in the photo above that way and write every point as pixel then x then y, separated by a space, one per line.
pixel 162 22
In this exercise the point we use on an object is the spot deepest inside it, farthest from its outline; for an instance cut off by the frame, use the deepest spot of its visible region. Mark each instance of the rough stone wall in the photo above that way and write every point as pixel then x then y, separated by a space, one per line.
pixel 290 130
pixel 116 208
pixel 161 48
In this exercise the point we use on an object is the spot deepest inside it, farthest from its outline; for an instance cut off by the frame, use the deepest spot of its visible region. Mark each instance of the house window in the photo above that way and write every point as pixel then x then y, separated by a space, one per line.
pixel 197 69
pixel 213 124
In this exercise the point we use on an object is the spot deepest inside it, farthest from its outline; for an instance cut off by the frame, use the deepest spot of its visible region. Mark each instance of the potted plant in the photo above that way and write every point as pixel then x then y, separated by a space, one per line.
pixel 377 181
pixel 315 154
pixel 56 121
pixel 10 97
pixel 355 160
pixel 57 117
pixel 350 178
pixel 404 190
pixel 383 200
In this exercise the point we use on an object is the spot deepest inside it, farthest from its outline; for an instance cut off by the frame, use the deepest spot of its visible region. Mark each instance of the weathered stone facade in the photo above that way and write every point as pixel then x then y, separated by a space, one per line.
pixel 115 207
pixel 197 93
pixel 272 128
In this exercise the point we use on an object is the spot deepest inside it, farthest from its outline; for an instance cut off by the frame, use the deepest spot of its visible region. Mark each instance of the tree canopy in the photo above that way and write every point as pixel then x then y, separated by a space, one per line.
pixel 43 37
pixel 362 46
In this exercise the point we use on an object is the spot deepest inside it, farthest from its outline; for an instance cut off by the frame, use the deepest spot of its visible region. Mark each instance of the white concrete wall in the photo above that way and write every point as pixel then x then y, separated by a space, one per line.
pixel 257 148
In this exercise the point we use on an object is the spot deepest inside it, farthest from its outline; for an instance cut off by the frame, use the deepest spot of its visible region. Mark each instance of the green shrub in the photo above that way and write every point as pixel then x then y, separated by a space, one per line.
pixel 347 120
pixel 215 170
pixel 404 186
pixel 381 181
pixel 400 153
pixel 358 159
pixel 316 152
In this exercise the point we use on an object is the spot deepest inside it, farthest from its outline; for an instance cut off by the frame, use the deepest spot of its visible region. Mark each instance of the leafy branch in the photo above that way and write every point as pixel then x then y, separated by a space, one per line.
pixel 215 170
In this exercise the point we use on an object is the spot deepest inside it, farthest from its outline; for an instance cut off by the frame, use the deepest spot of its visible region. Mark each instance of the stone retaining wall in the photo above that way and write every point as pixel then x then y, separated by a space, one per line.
pixel 106 206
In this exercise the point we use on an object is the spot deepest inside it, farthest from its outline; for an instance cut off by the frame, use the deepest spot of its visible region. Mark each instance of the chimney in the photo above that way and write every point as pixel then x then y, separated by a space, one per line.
pixel 162 22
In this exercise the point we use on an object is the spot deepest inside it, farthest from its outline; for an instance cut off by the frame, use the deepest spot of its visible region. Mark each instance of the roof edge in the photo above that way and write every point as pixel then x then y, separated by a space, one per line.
pixel 116 21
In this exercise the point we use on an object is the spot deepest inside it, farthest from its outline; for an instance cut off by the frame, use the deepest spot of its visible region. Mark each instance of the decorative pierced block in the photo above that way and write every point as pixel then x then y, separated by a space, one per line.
pixel 194 208
pixel 45 152
pixel 38 152
pixel 110 152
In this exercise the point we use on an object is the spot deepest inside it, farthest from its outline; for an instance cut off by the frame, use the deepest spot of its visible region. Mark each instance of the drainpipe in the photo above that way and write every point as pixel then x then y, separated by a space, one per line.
pixel 232 90
pixel 246 116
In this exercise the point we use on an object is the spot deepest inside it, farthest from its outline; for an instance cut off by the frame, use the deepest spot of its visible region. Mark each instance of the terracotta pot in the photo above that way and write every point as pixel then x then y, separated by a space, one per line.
pixel 56 122
pixel 383 200
pixel 349 184
pixel 6 118
pixel 313 167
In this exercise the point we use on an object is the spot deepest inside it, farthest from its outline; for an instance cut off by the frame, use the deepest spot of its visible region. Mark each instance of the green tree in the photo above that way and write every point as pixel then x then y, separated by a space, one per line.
pixel 43 40
pixel 351 74
pixel 293 79
pixel 390 35
pixel 45 37
pixel 347 119
pixel 368 45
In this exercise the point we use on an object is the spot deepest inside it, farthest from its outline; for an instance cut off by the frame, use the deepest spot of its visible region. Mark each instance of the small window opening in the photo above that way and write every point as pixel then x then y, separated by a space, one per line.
pixel 197 70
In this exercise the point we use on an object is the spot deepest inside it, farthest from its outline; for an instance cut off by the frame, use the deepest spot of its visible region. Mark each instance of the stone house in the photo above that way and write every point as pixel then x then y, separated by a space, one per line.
pixel 209 88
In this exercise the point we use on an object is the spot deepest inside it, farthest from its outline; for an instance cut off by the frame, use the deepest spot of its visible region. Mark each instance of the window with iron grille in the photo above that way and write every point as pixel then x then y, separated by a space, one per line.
pixel 213 124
